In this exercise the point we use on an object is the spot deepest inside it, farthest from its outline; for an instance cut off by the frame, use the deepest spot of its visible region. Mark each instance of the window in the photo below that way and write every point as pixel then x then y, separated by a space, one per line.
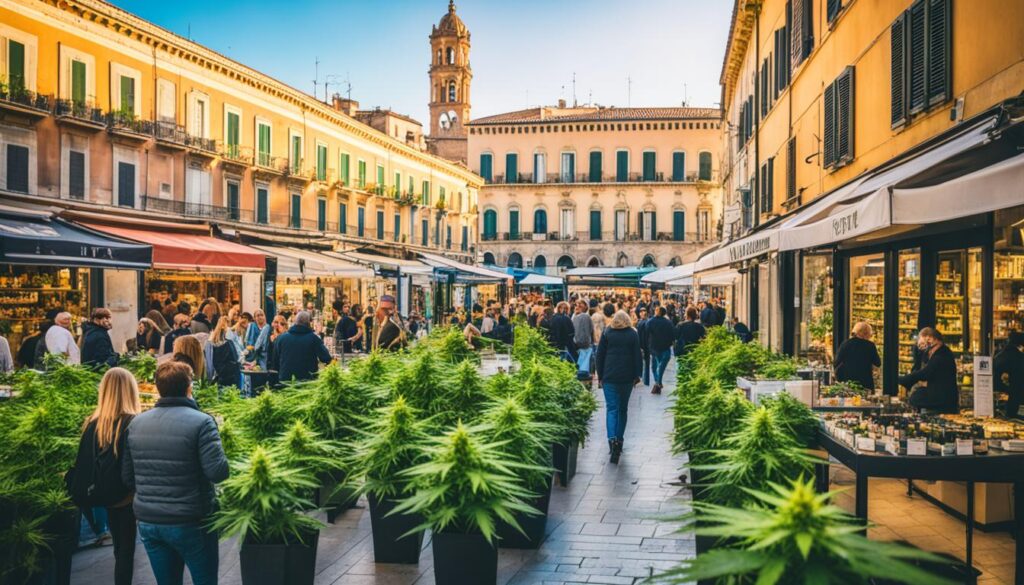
pixel 231 132
pixel 791 169
pixel 540 221
pixel 296 217
pixel 490 225
pixel 679 225
pixel 198 189
pixel 704 161
pixel 125 184
pixel 380 179
pixel 440 196
pixel 380 224
pixel 513 224
pixel 362 174
pixel 451 55
pixel 17 168
pixel 832 8
pixel 126 106
pixel 540 167
pixel 649 162
pixel 622 166
pixel 296 153
pixel 540 263
pixel 426 193
pixel 412 187
pixel 568 170
pixel 344 168
pixel 263 144
pixel 515 260
pixel 802 40
pixel 16 65
pixel 199 115
pixel 464 245
pixel 703 224
pixel 361 222
pixel 424 232
pixel 262 204
pixel 648 225
pixel 78 82
pixel 595 171
pixel 621 224
pixel 321 214
pixel 451 91
pixel 487 167
pixel 768 186
pixel 321 162
pixel 398 226
pixel 448 237
pixel 921 74
pixel 166 98
pixel 595 225
pixel 343 218
pixel 437 232
pixel 76 175
pixel 838 131
pixel 678 166
pixel 511 168
pixel 232 200
pixel 782 54
pixel 566 223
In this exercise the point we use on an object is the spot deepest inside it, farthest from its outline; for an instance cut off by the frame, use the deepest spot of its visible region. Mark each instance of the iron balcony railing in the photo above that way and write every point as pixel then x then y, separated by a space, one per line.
pixel 584 178
pixel 127 122
pixel 23 97
pixel 170 132
pixel 78 110
pixel 204 144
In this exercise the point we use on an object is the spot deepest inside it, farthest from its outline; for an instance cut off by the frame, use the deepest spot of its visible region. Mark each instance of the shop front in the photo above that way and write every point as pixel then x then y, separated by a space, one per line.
pixel 409 281
pixel 599 281
pixel 313 280
pixel 454 283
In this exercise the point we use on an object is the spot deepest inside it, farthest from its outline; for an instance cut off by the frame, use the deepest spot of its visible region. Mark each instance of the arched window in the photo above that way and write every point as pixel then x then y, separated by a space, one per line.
pixel 451 93
pixel 565 262
pixel 675 261
pixel 594 262
pixel 439 56
pixel 622 261
pixel 451 56
pixel 489 259
pixel 648 261
pixel 515 260
pixel 490 225
pixel 540 221
pixel 540 263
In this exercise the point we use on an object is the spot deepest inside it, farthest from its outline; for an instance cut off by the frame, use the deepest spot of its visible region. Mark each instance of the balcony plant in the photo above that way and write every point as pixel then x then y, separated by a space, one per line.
pixel 387 444
pixel 262 504
pixel 463 488
pixel 792 535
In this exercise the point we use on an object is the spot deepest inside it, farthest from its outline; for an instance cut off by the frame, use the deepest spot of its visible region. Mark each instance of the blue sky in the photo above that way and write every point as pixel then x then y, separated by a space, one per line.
pixel 523 53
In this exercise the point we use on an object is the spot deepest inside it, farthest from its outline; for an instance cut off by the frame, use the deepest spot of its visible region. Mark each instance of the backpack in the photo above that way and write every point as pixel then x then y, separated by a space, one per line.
pixel 95 479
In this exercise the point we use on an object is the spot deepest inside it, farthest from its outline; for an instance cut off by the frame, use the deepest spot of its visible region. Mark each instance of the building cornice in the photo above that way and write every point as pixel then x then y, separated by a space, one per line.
pixel 741 28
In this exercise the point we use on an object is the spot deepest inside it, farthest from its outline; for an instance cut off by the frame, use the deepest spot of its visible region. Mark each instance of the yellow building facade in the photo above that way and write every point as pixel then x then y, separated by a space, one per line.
pixel 102 110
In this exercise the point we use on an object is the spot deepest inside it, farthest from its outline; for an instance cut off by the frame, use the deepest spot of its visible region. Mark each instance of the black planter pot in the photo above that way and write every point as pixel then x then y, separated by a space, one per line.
pixel 565 455
pixel 388 544
pixel 293 563
pixel 464 559
pixel 62 535
pixel 334 496
pixel 532 525
pixel 951 568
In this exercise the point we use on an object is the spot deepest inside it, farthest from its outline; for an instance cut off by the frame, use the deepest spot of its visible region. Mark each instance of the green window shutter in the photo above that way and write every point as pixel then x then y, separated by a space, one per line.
pixel 321 162
pixel 233 134
pixel 361 222
pixel 362 174
pixel 233 202
pixel 898 70
pixel 440 196
pixel 595 166
pixel 486 170
pixel 595 225
pixel 678 226
pixel 678 166
pixel 398 226
pixel 343 170
pixel 262 197
pixel 78 94
pixel 513 224
pixel 704 160
pixel 343 218
pixel 263 145
pixel 649 165
pixel 425 233
pixel 412 187
pixel 398 184
pixel 511 168
pixel 654 225
pixel 490 224
pixel 380 224
pixel 622 166
pixel 380 174
pixel 128 95
pixel 425 194
pixel 540 222
pixel 296 211
pixel 16 65
pixel 321 214
pixel 296 161
pixel 464 245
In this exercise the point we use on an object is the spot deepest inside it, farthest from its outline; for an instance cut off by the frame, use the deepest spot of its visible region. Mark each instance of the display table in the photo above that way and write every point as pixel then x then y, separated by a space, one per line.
pixel 996 467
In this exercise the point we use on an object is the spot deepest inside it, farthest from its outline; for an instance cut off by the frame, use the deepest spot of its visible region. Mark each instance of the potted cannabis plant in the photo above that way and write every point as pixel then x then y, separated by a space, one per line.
pixel 463 488
pixel 790 534
pixel 704 422
pixel 262 504
pixel 389 443
pixel 301 448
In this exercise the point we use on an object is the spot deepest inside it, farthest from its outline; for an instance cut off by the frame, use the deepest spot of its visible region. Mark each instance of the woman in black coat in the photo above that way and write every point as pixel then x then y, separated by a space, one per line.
pixel 619 365
pixel 857 357
pixel 941 393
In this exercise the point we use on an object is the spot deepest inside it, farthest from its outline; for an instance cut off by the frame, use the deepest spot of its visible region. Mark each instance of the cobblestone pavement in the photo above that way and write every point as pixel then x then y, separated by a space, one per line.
pixel 608 526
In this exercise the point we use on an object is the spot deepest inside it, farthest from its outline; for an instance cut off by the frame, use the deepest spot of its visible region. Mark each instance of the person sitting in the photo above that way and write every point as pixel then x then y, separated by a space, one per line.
pixel 939 392
pixel 857 357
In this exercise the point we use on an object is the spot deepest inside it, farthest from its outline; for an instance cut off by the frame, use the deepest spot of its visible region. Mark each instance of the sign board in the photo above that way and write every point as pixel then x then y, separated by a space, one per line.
pixel 984 401
pixel 404 294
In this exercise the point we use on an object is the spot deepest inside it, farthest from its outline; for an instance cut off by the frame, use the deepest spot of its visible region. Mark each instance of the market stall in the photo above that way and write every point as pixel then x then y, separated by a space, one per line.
pixel 388 272
pixel 607 280
pixel 313 280
pixel 455 280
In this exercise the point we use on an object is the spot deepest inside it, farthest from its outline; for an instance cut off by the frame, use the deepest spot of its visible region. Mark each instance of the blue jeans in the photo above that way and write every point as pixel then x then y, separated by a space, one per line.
pixel 616 399
pixel 660 361
pixel 583 361
pixel 172 546
pixel 646 376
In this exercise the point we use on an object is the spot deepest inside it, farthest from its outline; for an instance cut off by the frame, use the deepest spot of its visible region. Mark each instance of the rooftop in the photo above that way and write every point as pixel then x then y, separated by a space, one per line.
pixel 596 114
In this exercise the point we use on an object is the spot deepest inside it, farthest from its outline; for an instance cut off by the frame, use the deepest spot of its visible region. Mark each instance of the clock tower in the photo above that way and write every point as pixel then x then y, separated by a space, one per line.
pixel 450 77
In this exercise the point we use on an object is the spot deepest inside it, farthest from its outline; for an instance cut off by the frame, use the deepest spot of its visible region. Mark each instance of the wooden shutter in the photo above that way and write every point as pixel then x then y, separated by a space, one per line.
pixel 343 218
pixel 791 169
pixel 78 91
pixel 17 168
pixel 796 41
pixel 939 51
pixel 511 168
pixel 832 8
pixel 261 205
pixel 649 165
pixel 770 186
pixel 233 202
pixel 595 225
pixel 425 232
pixel 622 166
pixel 296 211
pixel 76 175
pixel 829 134
pixel 16 65
pixel 595 166
pixel 844 116
pixel 380 224
pixel 513 224
pixel 679 226
pixel 917 70
pixel 485 167
pixel 705 166
pixel 678 166
pixel 639 225
pixel 898 71
pixel 321 214
pixel 654 225
pixel 125 184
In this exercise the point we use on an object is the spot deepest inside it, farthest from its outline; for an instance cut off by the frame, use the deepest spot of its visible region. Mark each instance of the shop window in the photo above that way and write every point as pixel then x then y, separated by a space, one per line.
pixel 909 274
pixel 17 168
pixel 838 131
pixel 1008 273
pixel 515 260
pixel 815 327
pixel 867 299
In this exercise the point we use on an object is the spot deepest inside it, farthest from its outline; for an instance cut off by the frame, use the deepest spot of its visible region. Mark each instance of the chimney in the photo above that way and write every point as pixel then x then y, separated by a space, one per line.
pixel 561 104
pixel 346 106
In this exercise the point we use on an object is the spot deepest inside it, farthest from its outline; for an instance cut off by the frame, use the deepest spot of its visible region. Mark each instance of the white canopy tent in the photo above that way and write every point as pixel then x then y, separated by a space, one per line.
pixel 540 280
pixel 669 274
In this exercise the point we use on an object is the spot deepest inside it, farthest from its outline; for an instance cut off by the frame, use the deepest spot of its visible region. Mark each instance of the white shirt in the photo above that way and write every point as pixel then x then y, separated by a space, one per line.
pixel 59 340
pixel 6 359
pixel 486 325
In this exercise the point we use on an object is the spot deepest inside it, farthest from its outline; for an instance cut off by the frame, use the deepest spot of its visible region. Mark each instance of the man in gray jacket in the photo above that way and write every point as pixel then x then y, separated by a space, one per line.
pixel 173 459
pixel 583 336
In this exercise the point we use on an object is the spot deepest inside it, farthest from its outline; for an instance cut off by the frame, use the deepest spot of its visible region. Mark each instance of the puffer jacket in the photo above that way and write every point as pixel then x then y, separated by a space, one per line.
pixel 618 356
pixel 297 353
pixel 97 349
pixel 173 459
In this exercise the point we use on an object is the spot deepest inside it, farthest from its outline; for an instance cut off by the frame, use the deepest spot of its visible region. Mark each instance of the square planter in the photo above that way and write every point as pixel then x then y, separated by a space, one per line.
pixel 532 525
pixel 565 456
pixel 333 496
pixel 464 559
pixel 389 546
pixel 292 563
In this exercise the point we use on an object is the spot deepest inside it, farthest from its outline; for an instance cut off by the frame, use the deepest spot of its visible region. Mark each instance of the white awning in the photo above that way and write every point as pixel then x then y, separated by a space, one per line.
pixel 717 278
pixel 407 266
pixel 314 264
pixel 844 221
pixel 474 271
pixel 686 281
pixel 994 187
pixel 664 275
pixel 541 280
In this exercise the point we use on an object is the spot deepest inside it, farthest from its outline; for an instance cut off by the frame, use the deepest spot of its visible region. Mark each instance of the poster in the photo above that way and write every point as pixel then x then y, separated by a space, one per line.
pixel 984 402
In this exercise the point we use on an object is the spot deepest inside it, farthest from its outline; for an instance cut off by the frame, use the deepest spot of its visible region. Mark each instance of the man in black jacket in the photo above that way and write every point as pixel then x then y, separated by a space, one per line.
pixel 688 333
pixel 940 392
pixel 346 327
pixel 97 349
pixel 641 330
pixel 173 458
pixel 561 331
pixel 709 315
pixel 297 353
pixel 660 337
pixel 1008 373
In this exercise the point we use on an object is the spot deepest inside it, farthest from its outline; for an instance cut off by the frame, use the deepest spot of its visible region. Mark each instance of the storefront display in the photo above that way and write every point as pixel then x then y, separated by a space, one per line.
pixel 1008 275
pixel 867 299
pixel 28 292
pixel 193 288
pixel 816 318
pixel 909 307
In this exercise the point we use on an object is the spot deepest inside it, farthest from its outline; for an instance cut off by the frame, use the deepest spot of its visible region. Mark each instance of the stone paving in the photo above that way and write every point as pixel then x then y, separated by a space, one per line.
pixel 610 525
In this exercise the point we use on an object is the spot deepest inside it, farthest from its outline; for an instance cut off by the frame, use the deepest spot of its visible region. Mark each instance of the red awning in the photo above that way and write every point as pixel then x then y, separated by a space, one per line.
pixel 178 251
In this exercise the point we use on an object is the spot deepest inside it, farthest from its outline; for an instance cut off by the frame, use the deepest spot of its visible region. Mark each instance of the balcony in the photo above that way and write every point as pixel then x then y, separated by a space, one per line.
pixel 170 135
pixel 268 167
pixel 202 210
pixel 585 178
pixel 205 147
pixel 584 237
pixel 323 178
pixel 81 114
pixel 127 125
pixel 296 173
pixel 24 102
pixel 235 157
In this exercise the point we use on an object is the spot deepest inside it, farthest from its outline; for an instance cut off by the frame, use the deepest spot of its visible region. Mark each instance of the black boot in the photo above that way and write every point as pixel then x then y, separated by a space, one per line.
pixel 616 450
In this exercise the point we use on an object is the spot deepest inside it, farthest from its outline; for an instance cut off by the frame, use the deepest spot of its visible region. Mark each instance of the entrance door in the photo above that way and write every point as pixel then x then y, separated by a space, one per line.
pixel 866 300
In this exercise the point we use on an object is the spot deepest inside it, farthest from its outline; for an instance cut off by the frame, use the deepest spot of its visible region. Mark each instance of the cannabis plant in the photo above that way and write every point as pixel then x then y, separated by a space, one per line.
pixel 466 485
pixel 262 418
pixel 790 535
pixel 703 427
pixel 262 501
pixel 373 370
pixel 795 416
pixel 388 443
pixel 507 421
pixel 464 395
pixel 529 343
pixel 332 403
pixel 421 382
pixel 502 385
pixel 141 364
pixel 302 448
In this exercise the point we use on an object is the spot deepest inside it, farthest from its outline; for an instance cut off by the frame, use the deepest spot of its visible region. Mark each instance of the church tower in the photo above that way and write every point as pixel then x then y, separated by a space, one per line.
pixel 450 76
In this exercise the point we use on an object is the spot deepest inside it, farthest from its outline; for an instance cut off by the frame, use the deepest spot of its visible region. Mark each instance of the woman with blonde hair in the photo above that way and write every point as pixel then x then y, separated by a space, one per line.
pixel 619 366
pixel 187 349
pixel 96 478
pixel 222 355
pixel 158 319
pixel 147 337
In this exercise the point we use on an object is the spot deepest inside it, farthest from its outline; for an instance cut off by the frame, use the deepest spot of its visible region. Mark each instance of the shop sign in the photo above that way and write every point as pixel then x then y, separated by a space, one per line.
pixel 750 249
pixel 984 405
pixel 844 224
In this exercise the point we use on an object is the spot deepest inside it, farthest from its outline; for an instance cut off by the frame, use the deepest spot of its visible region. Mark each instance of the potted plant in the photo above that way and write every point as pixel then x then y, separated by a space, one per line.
pixel 463 488
pixel 262 504
pixel 302 448
pixel 388 444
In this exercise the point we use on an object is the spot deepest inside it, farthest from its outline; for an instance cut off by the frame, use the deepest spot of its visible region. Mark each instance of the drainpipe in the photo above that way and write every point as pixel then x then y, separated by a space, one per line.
pixel 756 7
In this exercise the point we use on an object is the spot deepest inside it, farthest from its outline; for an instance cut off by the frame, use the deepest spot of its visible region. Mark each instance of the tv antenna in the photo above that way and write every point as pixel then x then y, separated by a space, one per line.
pixel 629 91
pixel 316 74
pixel 331 79
pixel 574 89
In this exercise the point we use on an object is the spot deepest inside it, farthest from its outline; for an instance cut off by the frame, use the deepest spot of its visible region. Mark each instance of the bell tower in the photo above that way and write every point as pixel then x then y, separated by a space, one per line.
pixel 450 77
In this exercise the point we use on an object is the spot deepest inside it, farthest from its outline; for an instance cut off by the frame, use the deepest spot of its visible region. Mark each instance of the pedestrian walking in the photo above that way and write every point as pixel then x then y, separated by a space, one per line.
pixel 688 333
pixel 660 338
pixel 297 352
pixel 618 370
pixel 583 338
pixel 645 352
pixel 173 459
